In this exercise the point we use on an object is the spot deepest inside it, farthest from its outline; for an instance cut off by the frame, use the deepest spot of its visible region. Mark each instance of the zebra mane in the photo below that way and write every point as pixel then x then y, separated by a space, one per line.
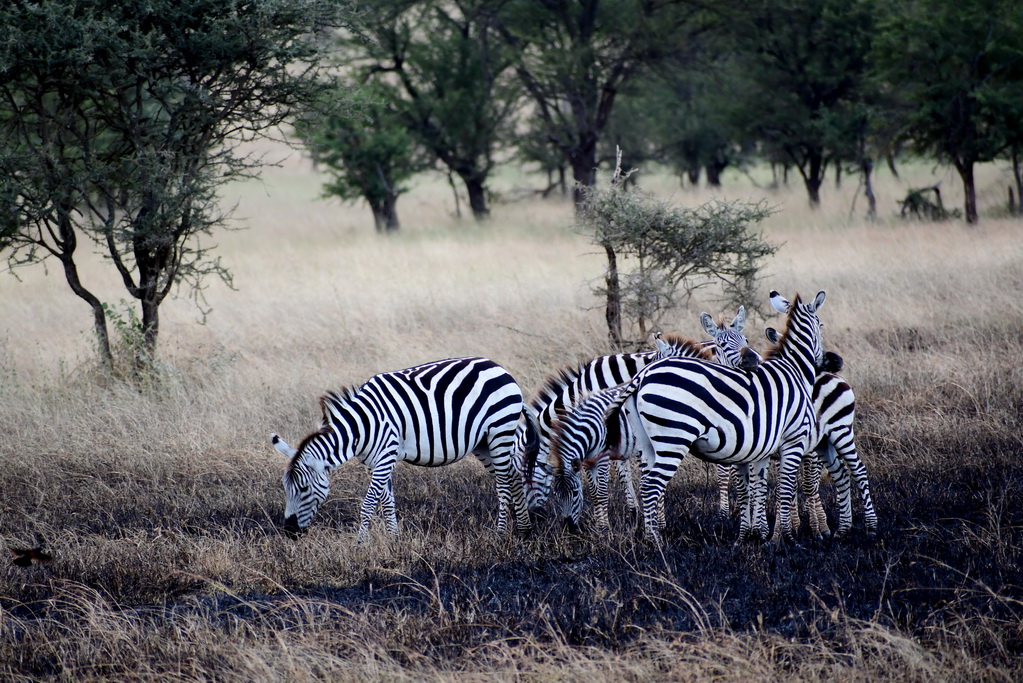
pixel 331 398
pixel 553 385
pixel 775 350
pixel 688 347
pixel 336 398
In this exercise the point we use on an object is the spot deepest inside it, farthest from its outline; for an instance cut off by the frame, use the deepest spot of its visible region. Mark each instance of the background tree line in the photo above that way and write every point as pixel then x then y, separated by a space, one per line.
pixel 807 86
pixel 121 121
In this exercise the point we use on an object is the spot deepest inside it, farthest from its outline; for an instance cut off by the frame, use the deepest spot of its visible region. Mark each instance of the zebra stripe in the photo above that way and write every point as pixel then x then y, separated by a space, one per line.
pixel 578 440
pixel 563 389
pixel 430 415
pixel 729 416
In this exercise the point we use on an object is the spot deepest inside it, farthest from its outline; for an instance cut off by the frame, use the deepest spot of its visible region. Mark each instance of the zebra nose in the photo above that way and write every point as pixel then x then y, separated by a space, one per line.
pixel 291 527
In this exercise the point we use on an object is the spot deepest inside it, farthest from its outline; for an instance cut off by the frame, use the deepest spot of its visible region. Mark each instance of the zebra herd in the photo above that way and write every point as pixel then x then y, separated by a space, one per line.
pixel 719 400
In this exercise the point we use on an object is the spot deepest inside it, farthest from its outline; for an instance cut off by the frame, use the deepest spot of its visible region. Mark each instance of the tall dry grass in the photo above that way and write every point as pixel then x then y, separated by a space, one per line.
pixel 161 506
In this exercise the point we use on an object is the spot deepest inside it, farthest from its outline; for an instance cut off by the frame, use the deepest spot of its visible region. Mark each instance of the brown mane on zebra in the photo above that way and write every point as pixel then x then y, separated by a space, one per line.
pixel 690 347
pixel 336 398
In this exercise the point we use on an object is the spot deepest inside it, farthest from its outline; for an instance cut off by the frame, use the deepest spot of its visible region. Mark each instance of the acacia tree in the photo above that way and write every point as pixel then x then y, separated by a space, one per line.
pixel 805 63
pixel 369 151
pixel 673 251
pixel 573 57
pixel 121 120
pixel 447 77
pixel 950 63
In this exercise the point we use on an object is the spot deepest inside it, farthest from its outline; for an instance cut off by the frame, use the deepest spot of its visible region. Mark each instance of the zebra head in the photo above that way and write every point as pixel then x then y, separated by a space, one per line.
pixel 730 345
pixel 566 460
pixel 803 330
pixel 833 362
pixel 306 483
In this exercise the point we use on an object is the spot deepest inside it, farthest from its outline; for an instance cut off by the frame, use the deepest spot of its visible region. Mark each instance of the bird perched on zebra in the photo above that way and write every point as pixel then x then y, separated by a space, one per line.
pixel 729 416
pixel 563 389
pixel 431 415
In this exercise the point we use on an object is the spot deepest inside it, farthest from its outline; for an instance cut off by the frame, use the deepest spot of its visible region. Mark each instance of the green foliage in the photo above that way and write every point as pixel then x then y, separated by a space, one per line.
pixel 367 148
pixel 805 65
pixel 956 69
pixel 447 77
pixel 676 250
pixel 573 58
pixel 120 121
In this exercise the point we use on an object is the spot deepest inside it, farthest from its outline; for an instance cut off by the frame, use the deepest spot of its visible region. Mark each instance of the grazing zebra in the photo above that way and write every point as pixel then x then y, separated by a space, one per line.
pixel 725 415
pixel 834 445
pixel 432 414
pixel 563 389
pixel 578 438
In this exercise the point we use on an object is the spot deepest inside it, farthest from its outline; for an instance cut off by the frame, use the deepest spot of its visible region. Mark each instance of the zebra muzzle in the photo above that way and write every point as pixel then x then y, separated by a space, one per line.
pixel 291 528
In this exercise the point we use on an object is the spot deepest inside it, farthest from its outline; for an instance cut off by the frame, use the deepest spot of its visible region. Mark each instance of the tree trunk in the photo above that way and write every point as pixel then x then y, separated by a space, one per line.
pixel 965 169
pixel 584 171
pixel 868 169
pixel 890 160
pixel 1017 172
pixel 714 170
pixel 812 169
pixel 69 242
pixel 385 214
pixel 613 309
pixel 145 357
pixel 477 191
pixel 693 173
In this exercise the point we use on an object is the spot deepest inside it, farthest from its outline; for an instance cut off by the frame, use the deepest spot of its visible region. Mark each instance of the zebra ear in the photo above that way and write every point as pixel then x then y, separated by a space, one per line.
pixel 818 301
pixel 739 321
pixel 709 326
pixel 780 303
pixel 282 446
pixel 662 346
pixel 772 335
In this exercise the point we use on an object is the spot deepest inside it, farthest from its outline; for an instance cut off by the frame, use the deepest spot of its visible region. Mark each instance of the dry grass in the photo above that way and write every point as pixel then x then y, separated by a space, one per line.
pixel 161 508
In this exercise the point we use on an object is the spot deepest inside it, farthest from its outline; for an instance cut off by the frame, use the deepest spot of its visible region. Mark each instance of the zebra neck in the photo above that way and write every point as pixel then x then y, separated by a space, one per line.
pixel 801 356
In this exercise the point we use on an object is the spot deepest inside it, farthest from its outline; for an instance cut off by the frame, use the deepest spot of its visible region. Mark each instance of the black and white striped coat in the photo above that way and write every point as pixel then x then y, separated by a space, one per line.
pixel 727 416
pixel 579 436
pixel 564 389
pixel 430 415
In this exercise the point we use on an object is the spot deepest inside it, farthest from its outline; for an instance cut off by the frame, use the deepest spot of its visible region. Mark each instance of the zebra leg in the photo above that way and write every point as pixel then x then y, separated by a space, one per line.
pixel 811 484
pixel 845 446
pixel 655 481
pixel 843 485
pixel 600 479
pixel 758 511
pixel 624 469
pixel 387 508
pixel 791 456
pixel 744 501
pixel 379 484
pixel 723 475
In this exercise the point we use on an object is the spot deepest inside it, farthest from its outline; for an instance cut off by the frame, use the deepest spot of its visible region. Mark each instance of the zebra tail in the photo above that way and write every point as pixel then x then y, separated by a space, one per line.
pixel 613 414
pixel 532 445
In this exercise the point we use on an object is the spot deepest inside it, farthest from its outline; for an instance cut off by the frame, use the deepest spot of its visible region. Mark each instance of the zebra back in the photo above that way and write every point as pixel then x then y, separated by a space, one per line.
pixel 564 388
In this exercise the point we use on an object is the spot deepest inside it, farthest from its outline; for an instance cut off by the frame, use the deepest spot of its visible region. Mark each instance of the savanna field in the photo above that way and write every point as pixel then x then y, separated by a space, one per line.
pixel 162 505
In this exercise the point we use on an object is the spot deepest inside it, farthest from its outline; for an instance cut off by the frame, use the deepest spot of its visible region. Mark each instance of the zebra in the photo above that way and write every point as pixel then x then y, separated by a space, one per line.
pixel 431 414
pixel 725 415
pixel 834 445
pixel 578 438
pixel 564 388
